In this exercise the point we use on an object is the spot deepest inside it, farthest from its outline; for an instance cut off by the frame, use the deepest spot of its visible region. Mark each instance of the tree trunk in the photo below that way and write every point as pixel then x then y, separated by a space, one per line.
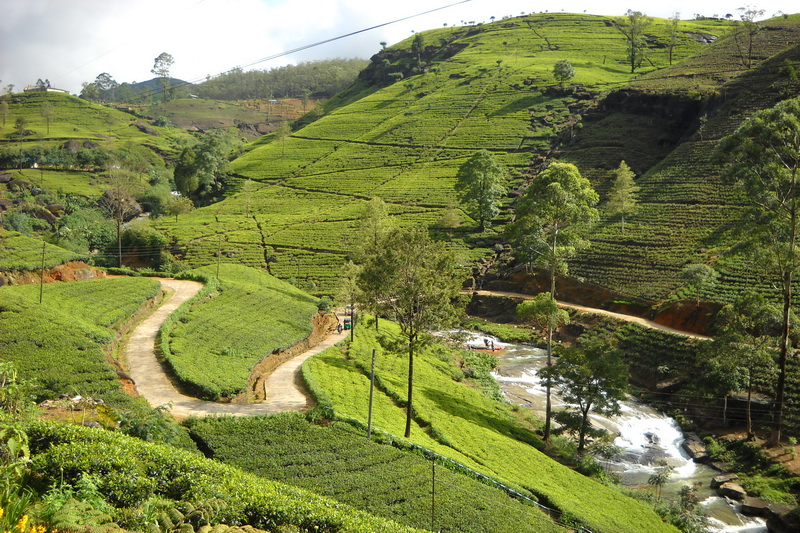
pixel 775 438
pixel 548 384
pixel 410 386
pixel 749 397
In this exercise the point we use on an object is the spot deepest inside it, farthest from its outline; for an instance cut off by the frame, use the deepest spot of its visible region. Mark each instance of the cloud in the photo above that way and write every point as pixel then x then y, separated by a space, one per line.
pixel 72 42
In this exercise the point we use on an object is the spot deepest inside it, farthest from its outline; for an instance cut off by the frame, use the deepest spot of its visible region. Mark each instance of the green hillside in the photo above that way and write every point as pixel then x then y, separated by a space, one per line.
pixel 337 461
pixel 478 87
pixel 460 422
pixel 205 345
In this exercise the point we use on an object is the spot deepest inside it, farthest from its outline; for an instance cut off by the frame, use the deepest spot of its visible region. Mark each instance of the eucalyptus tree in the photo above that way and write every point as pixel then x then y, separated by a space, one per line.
pixel 763 161
pixel 543 312
pixel 697 277
pixel 552 219
pixel 635 40
pixel 161 67
pixel 419 281
pixel 480 183
pixel 672 29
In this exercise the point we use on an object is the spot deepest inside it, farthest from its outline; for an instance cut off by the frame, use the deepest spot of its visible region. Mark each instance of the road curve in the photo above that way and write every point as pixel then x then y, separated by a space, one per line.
pixel 283 393
pixel 583 309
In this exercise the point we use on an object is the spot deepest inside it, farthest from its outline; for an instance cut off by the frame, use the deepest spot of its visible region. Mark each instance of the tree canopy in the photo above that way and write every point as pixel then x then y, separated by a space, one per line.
pixel 552 218
pixel 763 161
pixel 480 183
pixel 635 40
pixel 419 281
pixel 622 196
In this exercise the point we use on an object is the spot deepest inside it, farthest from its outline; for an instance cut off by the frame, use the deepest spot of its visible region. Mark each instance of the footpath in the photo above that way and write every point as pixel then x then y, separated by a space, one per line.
pixel 283 385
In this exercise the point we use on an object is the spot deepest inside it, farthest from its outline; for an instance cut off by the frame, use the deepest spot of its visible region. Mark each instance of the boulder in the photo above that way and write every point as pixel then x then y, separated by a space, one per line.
pixel 732 490
pixel 718 481
pixel 695 448
pixel 755 506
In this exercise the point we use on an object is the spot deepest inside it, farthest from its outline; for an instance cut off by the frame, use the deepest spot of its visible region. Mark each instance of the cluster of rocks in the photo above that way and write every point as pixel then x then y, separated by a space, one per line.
pixel 777 514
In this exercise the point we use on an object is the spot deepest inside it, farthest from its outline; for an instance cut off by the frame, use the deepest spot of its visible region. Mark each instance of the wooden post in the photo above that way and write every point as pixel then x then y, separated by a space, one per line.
pixel 433 493
pixel 371 390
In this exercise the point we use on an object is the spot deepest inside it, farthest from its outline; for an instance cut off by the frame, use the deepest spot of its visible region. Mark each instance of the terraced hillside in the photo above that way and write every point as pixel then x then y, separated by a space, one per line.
pixel 300 198
pixel 666 126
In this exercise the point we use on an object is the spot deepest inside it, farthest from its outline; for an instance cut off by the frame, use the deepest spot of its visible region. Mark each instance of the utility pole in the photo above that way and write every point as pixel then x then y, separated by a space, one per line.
pixel 433 493
pixel 371 390
pixel 219 253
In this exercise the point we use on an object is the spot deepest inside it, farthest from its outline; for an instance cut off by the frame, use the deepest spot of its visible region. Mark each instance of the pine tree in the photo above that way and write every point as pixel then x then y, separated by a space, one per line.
pixel 622 197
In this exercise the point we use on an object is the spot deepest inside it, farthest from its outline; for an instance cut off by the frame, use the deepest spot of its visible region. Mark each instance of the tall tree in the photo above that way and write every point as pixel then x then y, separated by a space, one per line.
pixel 161 67
pixel 751 27
pixel 591 378
pixel 635 41
pixel 622 197
pixel 375 226
pixel 480 183
pixel 763 158
pixel 744 345
pixel 543 312
pixel 672 28
pixel 118 201
pixel 419 281
pixel 553 216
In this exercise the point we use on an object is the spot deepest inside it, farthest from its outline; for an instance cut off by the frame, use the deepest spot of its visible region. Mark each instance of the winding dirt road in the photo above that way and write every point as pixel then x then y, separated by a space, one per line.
pixel 283 386
pixel 283 391
pixel 619 316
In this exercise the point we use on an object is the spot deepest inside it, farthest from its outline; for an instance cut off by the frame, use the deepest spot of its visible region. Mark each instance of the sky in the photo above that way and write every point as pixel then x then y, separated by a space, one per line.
pixel 72 41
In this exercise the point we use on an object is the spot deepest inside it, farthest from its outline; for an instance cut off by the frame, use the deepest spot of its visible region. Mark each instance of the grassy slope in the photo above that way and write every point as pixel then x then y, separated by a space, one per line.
pixel 215 345
pixel 460 422
pixel 25 253
pixel 130 479
pixel 686 212
pixel 61 343
pixel 75 119
pixel 302 197
pixel 337 461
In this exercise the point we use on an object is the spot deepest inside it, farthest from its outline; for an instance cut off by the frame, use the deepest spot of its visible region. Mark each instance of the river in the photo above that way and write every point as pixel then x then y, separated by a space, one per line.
pixel 646 436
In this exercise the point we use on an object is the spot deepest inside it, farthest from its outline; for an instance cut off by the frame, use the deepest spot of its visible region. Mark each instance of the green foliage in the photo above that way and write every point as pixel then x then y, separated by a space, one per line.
pixel 61 341
pixel 25 253
pixel 132 475
pixel 337 461
pixel 322 78
pixel 563 71
pixel 480 183
pixel 622 197
pixel 469 427
pixel 202 168
pixel 552 219
pixel 698 277
pixel 635 38
pixel 591 378
pixel 200 342
pixel 417 279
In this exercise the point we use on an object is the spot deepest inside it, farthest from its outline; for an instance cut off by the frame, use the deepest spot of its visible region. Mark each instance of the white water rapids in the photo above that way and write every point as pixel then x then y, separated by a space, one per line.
pixel 646 436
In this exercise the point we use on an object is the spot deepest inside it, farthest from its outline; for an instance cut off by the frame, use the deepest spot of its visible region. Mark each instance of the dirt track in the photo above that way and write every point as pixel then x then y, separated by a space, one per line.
pixel 619 316
pixel 283 393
